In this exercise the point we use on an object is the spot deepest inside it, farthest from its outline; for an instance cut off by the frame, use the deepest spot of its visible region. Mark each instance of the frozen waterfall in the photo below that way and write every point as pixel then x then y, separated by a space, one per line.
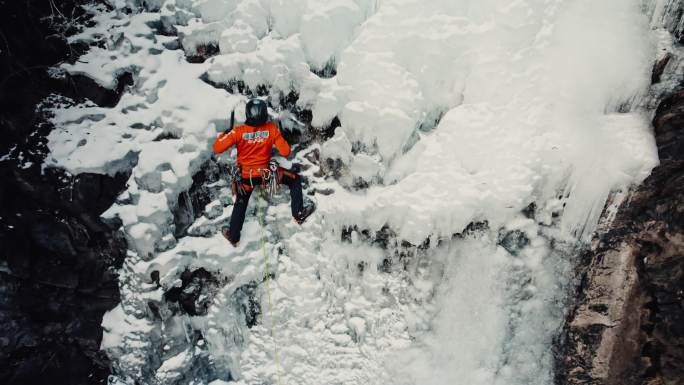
pixel 475 145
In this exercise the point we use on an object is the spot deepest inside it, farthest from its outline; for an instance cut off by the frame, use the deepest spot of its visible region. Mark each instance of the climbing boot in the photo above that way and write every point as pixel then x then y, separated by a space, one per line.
pixel 226 234
pixel 301 216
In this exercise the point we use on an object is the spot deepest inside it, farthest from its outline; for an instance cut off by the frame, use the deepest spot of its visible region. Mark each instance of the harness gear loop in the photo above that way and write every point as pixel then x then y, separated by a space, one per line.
pixel 250 179
pixel 236 186
pixel 267 279
pixel 275 177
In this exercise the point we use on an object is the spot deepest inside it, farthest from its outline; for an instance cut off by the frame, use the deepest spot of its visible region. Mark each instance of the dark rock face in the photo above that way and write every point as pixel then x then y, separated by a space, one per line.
pixel 660 205
pixel 196 291
pixel 514 241
pixel 58 260
pixel 191 204
pixel 246 297
pixel 33 35
pixel 659 68
pixel 203 53
pixel 58 277
pixel 628 325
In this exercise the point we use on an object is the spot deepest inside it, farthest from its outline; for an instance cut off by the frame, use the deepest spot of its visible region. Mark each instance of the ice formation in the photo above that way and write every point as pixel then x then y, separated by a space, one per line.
pixel 452 113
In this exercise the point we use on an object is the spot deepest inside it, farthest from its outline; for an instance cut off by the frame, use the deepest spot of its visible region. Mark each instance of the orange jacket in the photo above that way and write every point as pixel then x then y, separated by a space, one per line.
pixel 254 146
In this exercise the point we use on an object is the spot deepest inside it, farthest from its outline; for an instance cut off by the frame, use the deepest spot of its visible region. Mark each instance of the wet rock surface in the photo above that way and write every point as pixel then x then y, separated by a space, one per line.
pixel 628 323
pixel 192 204
pixel 58 276
pixel 196 291
pixel 58 260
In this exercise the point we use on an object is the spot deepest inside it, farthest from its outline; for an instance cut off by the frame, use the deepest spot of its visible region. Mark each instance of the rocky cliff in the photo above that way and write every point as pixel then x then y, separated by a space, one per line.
pixel 627 326
pixel 58 260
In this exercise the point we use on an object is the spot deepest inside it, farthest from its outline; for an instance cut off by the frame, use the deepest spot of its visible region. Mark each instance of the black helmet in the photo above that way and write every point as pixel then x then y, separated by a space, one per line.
pixel 256 112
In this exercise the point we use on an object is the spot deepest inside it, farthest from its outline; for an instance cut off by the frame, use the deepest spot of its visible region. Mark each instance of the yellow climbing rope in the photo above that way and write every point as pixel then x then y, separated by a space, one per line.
pixel 267 278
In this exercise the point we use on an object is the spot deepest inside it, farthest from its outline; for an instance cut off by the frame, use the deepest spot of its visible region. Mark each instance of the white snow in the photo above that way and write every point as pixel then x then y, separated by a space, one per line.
pixel 530 97
pixel 452 112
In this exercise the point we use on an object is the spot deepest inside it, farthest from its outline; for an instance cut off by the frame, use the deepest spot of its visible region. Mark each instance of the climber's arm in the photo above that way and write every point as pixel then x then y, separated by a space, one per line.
pixel 281 144
pixel 225 141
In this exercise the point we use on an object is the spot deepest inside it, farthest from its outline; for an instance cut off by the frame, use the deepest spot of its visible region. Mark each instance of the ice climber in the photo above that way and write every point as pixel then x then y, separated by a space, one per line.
pixel 254 141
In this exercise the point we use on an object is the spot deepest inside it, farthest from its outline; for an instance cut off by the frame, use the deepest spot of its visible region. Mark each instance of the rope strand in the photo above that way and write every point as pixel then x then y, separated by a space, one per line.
pixel 267 279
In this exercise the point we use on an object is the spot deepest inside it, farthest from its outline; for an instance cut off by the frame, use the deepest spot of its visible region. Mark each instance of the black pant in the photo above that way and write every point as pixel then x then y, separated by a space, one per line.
pixel 237 218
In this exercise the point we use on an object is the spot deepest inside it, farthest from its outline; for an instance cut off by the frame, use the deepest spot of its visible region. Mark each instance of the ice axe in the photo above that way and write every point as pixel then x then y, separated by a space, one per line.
pixel 236 183
pixel 230 127
pixel 232 121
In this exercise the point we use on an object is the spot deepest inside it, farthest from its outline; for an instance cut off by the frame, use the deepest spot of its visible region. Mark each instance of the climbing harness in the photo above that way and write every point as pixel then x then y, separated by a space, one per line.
pixel 270 178
pixel 236 185
pixel 267 279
